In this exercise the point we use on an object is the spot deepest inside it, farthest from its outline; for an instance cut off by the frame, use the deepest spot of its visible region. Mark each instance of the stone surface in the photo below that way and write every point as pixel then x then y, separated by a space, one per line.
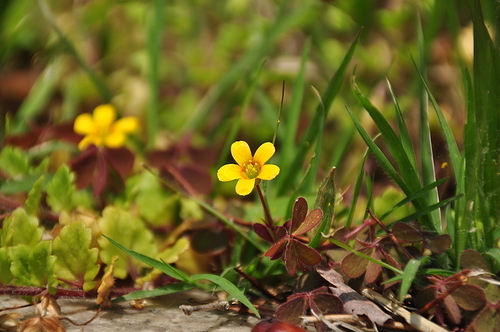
pixel 160 314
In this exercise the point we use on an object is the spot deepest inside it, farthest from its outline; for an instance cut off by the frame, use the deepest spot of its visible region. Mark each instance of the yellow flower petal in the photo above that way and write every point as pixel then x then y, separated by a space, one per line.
pixel 241 152
pixel 114 140
pixel 104 115
pixel 84 124
pixel 126 125
pixel 229 172
pixel 86 142
pixel 245 186
pixel 268 172
pixel 264 153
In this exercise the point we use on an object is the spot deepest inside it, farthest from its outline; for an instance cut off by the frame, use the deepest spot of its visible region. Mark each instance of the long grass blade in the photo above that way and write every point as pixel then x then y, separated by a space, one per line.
pixel 163 290
pixel 409 180
pixel 96 79
pixel 288 178
pixel 162 266
pixel 292 114
pixel 39 95
pixel 229 287
pixel 414 196
pixel 284 19
pixel 422 212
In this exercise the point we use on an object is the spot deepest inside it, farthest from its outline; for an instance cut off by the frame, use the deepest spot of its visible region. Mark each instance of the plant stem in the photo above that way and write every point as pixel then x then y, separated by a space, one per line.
pixel 267 213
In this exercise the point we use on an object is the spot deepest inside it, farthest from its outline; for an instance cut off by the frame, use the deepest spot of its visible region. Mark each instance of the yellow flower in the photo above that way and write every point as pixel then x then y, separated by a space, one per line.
pixel 101 129
pixel 249 168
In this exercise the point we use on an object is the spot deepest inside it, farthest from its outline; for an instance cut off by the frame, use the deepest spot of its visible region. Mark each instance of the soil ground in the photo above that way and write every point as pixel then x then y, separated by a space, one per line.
pixel 159 314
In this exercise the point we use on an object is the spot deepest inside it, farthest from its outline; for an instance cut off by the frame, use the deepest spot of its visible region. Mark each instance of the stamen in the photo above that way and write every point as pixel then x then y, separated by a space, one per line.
pixel 252 169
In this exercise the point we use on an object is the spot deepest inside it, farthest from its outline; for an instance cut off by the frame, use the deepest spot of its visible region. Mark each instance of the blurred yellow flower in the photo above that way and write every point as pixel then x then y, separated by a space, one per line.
pixel 249 168
pixel 101 129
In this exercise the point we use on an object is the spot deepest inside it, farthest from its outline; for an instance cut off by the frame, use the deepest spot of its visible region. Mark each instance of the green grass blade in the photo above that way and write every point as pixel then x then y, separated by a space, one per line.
pixel 402 128
pixel 369 258
pixel 357 190
pixel 288 178
pixel 284 19
pixel 292 114
pixel 154 50
pixel 408 276
pixel 426 151
pixel 236 122
pixel 414 196
pixel 379 155
pixel 456 159
pixel 310 179
pixel 411 182
pixel 162 266
pixel 163 290
pixel 229 287
pixel 422 212
pixel 96 80
pixel 39 95
pixel 486 65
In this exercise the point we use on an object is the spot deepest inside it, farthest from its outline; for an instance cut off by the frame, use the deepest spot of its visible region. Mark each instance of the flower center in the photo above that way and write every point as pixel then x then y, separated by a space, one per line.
pixel 251 169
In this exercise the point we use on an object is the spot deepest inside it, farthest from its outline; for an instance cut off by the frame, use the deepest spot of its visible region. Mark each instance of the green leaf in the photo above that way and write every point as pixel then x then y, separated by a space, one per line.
pixel 21 185
pixel 163 290
pixel 5 274
pixel 34 196
pixel 76 261
pixel 156 206
pixel 33 266
pixel 132 232
pixel 326 202
pixel 408 276
pixel 60 190
pixel 13 161
pixel 162 266
pixel 177 274
pixel 229 287
pixel 20 228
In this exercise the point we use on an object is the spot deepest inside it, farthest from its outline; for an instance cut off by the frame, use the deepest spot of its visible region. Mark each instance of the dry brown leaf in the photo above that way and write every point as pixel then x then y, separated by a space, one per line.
pixel 354 303
pixel 42 324
pixel 48 307
pixel 107 283
pixel 9 322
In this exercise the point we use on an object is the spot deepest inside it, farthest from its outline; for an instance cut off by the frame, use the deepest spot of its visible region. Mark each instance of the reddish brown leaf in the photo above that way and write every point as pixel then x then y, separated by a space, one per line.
pixel 311 220
pixel 305 254
pixel 471 259
pixel 406 232
pixel 299 214
pixel 439 244
pixel 120 159
pixel 469 297
pixel 291 310
pixel 277 249
pixel 353 265
pixel 263 231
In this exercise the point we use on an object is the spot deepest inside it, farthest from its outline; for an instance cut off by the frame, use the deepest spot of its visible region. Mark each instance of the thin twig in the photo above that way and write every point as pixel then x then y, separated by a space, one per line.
pixel 217 305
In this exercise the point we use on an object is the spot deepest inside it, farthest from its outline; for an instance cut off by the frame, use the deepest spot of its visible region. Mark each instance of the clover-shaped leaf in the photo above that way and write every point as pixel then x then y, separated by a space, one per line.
pixel 76 261
pixel 409 233
pixel 320 301
pixel 297 255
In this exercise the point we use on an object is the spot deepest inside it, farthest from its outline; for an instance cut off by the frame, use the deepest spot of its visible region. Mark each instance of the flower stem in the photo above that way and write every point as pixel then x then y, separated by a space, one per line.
pixel 267 213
